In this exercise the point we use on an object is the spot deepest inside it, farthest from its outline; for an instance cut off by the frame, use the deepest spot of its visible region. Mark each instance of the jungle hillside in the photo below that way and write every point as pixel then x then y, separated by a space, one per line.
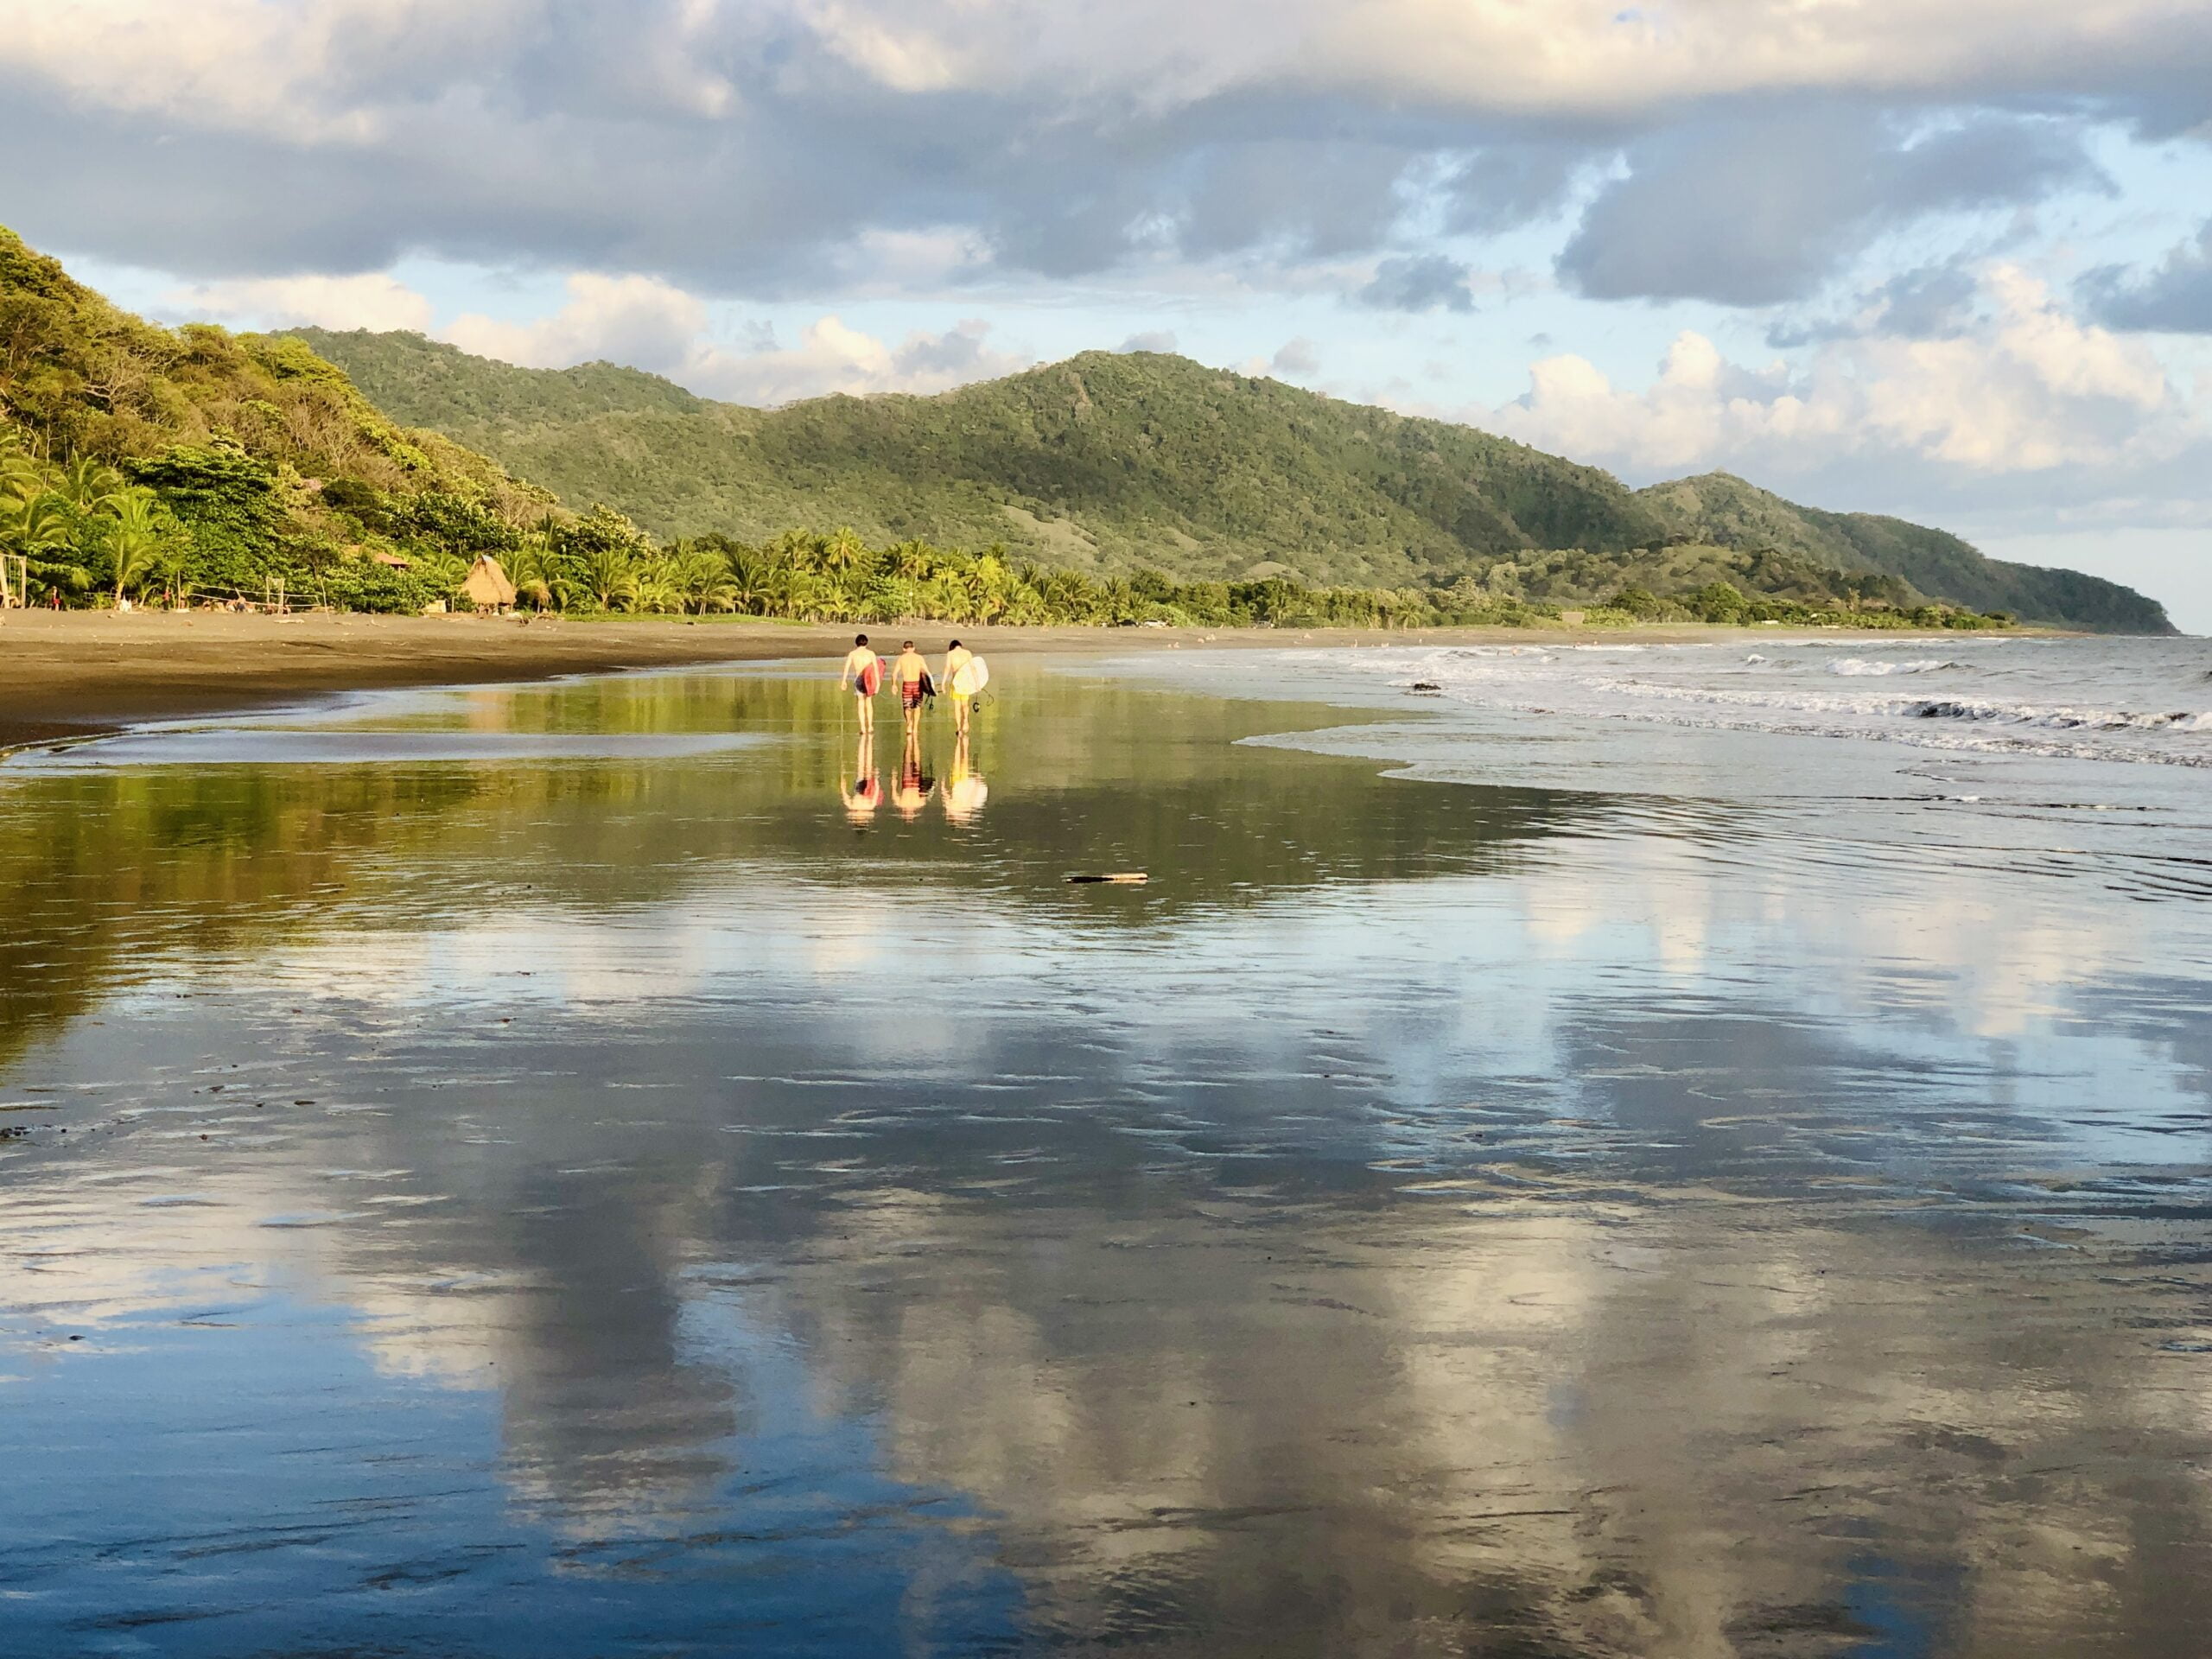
pixel 193 465
pixel 1110 463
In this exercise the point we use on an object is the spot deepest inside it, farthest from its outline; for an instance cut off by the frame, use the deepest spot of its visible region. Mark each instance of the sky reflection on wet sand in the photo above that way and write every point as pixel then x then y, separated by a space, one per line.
pixel 603 1201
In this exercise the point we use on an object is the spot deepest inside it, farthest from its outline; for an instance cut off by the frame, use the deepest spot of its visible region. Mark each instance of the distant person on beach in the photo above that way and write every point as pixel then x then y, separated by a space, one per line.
pixel 911 673
pixel 956 657
pixel 863 671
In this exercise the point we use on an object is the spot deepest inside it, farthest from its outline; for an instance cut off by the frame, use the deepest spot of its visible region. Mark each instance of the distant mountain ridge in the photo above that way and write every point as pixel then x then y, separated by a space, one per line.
pixel 1723 508
pixel 1109 462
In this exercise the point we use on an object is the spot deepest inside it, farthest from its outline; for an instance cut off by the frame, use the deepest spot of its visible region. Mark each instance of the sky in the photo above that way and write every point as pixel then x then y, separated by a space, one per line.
pixel 1949 259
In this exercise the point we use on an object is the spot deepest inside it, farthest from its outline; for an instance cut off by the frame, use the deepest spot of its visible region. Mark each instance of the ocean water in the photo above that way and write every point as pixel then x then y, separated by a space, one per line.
pixel 2128 701
pixel 625 1167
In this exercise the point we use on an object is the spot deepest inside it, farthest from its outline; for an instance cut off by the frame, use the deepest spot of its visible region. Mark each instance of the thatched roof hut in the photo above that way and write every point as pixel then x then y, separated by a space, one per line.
pixel 486 584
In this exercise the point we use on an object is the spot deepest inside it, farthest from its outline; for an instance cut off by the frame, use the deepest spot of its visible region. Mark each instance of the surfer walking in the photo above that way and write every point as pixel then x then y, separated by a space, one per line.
pixel 965 674
pixel 957 657
pixel 911 675
pixel 863 672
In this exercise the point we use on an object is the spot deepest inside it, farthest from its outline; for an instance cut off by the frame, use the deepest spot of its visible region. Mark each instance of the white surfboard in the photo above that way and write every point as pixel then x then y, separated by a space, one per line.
pixel 970 677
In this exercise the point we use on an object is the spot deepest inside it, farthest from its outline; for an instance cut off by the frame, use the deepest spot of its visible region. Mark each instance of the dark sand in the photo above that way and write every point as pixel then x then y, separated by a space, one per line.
pixel 74 674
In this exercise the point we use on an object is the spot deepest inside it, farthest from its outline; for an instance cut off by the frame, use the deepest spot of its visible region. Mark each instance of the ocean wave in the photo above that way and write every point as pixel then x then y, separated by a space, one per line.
pixel 1895 707
pixel 2094 719
pixel 1859 666
pixel 1956 742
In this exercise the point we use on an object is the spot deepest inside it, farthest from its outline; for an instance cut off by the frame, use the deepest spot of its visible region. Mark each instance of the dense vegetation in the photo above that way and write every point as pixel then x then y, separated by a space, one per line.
pixel 193 465
pixel 1110 463
pixel 1721 508
pixel 605 562
pixel 144 461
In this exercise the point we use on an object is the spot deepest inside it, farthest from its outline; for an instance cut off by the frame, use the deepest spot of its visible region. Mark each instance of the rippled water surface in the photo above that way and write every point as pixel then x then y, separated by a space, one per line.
pixel 617 1168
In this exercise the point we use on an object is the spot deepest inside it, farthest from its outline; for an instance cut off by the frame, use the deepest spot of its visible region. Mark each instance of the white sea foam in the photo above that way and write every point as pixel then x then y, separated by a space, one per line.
pixel 2071 703
pixel 1860 667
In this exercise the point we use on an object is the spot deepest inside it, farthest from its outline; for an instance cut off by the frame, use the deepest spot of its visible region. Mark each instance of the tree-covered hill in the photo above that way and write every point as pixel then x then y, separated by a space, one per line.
pixel 146 465
pixel 1111 462
pixel 1104 462
pixel 1722 508
pixel 135 458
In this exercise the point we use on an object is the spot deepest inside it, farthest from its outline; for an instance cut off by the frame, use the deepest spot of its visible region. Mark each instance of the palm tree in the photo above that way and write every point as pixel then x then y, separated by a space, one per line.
pixel 44 530
pixel 750 581
pixel 913 560
pixel 704 580
pixel 134 538
pixel 606 576
pixel 535 572
pixel 21 478
pixel 844 551
pixel 657 584
pixel 92 485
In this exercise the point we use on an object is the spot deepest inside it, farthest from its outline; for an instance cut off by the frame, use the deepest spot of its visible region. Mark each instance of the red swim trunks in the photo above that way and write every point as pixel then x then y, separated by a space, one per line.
pixel 910 694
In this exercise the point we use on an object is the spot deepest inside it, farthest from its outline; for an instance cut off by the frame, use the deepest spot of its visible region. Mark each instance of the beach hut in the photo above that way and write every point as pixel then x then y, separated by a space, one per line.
pixel 486 585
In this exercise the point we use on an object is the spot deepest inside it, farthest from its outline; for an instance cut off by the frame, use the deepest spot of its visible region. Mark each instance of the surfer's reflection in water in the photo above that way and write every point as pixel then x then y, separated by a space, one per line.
pixel 915 785
pixel 964 792
pixel 864 792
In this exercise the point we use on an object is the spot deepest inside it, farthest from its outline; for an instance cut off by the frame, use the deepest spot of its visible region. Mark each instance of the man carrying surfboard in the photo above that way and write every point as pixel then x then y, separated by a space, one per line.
pixel 956 657
pixel 911 673
pixel 863 671
pixel 965 674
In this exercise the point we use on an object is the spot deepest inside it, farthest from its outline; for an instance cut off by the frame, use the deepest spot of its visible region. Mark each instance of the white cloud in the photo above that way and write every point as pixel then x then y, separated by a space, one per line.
pixel 2028 388
pixel 638 321
pixel 650 324
pixel 366 300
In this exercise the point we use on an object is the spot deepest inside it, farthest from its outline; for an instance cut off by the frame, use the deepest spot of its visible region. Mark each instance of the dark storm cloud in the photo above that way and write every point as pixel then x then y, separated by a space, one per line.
pixel 1420 281
pixel 1757 207
pixel 2175 296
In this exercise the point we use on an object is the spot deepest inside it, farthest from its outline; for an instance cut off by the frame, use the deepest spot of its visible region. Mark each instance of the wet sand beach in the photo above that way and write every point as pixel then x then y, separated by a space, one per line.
pixel 560 1169
pixel 67 674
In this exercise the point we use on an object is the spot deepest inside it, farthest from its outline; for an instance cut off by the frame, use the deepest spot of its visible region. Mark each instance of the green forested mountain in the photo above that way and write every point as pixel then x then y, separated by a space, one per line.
pixel 1722 508
pixel 191 465
pixel 1113 463
pixel 137 460
pixel 1107 461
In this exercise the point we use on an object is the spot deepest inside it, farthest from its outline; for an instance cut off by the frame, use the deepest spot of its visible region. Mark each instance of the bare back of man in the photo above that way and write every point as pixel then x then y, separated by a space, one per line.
pixel 863 672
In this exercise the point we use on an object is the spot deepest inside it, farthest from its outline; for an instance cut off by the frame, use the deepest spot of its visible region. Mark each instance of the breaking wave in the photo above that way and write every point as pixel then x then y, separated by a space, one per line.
pixel 1859 667
pixel 2016 706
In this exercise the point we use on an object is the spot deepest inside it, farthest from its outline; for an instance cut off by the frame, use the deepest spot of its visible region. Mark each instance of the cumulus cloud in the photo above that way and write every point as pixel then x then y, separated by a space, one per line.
pixel 646 323
pixel 2029 389
pixel 1422 282
pixel 2176 295
pixel 641 321
pixel 369 299
pixel 1296 358
pixel 1759 208
pixel 1153 340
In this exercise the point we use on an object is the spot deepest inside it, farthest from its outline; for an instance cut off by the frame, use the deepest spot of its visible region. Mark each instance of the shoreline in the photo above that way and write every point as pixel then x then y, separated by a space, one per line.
pixel 69 675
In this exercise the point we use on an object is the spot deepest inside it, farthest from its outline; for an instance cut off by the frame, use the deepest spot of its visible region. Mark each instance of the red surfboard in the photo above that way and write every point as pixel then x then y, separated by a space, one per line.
pixel 871 679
